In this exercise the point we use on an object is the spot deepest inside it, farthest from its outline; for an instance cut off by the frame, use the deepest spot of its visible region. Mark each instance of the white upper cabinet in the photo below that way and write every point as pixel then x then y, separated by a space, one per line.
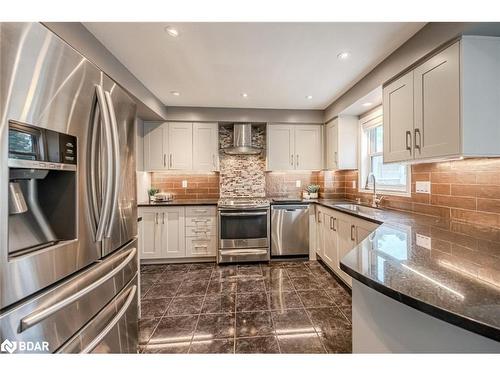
pixel 398 119
pixel 437 105
pixel 446 107
pixel 342 143
pixel 308 147
pixel 280 147
pixel 155 146
pixel 205 146
pixel 292 147
pixel 180 145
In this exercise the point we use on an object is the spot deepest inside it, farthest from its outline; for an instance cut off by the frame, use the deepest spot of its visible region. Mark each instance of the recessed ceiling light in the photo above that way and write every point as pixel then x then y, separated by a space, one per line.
pixel 172 31
pixel 367 104
pixel 175 93
pixel 244 94
pixel 343 55
pixel 309 97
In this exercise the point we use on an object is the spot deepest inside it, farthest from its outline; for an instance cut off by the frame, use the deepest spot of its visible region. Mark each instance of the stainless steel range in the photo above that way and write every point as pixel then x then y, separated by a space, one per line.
pixel 244 230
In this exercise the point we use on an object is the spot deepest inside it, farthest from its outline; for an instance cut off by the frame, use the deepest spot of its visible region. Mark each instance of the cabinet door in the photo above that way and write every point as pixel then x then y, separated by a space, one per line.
pixel 280 149
pixel 320 219
pixel 173 232
pixel 180 145
pixel 398 119
pixel 437 105
pixel 332 144
pixel 346 242
pixel 205 146
pixel 331 243
pixel 150 235
pixel 155 146
pixel 308 147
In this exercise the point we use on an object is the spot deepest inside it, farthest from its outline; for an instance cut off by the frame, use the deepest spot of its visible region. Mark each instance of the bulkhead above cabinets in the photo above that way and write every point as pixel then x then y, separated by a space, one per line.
pixel 181 146
pixel 447 106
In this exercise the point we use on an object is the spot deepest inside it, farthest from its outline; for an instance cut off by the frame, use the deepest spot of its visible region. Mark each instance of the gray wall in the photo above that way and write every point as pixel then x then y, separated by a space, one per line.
pixel 74 33
pixel 244 114
pixel 423 42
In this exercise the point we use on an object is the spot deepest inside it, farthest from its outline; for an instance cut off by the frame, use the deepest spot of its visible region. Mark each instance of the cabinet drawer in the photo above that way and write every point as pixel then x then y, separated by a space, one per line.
pixel 200 211
pixel 200 221
pixel 200 247
pixel 202 231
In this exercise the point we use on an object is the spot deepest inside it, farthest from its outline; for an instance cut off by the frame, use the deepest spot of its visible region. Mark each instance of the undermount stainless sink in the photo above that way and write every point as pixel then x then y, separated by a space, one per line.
pixel 355 207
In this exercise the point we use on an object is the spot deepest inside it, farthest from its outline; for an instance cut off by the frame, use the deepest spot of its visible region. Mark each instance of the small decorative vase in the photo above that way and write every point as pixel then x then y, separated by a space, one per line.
pixel 313 195
pixel 306 195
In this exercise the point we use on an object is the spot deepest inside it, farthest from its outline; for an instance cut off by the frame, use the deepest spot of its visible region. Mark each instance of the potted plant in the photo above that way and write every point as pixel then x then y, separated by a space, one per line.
pixel 152 192
pixel 313 190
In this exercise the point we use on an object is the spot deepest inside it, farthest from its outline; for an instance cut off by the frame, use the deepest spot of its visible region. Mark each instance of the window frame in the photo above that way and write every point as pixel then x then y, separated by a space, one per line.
pixel 370 121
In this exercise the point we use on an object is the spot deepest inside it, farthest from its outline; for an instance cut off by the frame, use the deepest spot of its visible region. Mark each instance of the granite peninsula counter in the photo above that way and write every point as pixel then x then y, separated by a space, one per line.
pixel 443 276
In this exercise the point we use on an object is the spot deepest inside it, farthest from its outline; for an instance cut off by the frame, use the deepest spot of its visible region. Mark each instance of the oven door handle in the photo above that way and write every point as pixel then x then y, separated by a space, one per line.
pixel 260 213
pixel 243 252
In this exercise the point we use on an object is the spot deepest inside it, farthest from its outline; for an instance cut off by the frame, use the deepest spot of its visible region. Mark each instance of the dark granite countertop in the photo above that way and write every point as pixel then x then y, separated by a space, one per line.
pixel 181 202
pixel 457 280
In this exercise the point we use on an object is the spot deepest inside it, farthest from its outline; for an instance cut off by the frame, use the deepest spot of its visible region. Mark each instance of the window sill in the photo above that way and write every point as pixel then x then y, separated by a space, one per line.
pixel 386 192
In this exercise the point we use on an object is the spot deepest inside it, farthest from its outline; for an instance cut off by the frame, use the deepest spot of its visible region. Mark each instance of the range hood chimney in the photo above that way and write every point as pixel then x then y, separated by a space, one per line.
pixel 242 141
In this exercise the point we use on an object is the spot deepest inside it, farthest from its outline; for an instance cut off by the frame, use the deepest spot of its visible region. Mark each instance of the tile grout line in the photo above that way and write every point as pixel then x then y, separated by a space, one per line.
pixel 199 314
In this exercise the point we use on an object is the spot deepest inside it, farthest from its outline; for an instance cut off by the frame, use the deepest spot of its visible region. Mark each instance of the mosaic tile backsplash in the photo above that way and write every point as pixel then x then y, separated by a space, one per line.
pixel 242 175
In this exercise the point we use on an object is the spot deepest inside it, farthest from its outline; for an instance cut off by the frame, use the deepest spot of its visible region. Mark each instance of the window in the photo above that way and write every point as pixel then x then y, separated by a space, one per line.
pixel 390 178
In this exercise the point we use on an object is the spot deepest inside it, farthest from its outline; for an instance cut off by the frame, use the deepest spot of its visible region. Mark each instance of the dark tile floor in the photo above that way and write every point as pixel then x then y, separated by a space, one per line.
pixel 285 307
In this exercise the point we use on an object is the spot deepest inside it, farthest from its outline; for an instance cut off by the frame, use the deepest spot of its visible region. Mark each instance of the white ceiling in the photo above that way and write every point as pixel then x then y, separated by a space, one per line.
pixel 276 64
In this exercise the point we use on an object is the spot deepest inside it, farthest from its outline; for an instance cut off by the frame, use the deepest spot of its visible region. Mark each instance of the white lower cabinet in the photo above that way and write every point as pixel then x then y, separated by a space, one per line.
pixel 177 232
pixel 338 233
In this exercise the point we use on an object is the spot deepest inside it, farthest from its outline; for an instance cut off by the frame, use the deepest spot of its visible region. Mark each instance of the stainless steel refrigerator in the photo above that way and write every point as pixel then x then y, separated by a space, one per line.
pixel 68 250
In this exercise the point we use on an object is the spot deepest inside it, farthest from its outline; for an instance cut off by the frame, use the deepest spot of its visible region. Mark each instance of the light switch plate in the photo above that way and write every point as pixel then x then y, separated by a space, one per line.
pixel 184 183
pixel 423 187
pixel 298 183
pixel 423 241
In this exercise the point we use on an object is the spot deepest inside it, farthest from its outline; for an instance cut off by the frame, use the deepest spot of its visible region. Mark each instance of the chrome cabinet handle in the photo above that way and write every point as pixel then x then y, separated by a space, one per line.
pixel 116 162
pixel 163 221
pixel 418 146
pixel 297 159
pixel 352 233
pixel 408 140
pixel 334 224
pixel 331 223
pixel 93 344
pixel 171 163
pixel 319 217
pixel 156 218
pixel 164 160
pixel 39 315
pixel 291 160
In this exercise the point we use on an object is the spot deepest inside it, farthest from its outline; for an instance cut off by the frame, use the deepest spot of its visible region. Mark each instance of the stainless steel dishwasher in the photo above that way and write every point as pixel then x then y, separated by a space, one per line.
pixel 289 229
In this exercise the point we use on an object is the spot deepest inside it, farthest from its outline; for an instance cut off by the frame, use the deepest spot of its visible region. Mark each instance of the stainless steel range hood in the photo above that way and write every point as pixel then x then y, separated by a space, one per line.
pixel 242 141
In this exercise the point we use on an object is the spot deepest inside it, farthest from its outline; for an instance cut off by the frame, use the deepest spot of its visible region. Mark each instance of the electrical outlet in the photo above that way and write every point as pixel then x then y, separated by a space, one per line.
pixel 354 184
pixel 298 183
pixel 184 183
pixel 423 187
pixel 423 241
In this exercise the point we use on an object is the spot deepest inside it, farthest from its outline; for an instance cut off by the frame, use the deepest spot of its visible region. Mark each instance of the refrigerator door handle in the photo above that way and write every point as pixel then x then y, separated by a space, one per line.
pixel 40 315
pixel 116 160
pixel 106 202
pixel 93 344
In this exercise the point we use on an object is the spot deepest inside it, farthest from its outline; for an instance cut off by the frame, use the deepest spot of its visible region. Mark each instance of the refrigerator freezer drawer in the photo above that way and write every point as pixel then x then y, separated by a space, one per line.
pixel 113 330
pixel 58 313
